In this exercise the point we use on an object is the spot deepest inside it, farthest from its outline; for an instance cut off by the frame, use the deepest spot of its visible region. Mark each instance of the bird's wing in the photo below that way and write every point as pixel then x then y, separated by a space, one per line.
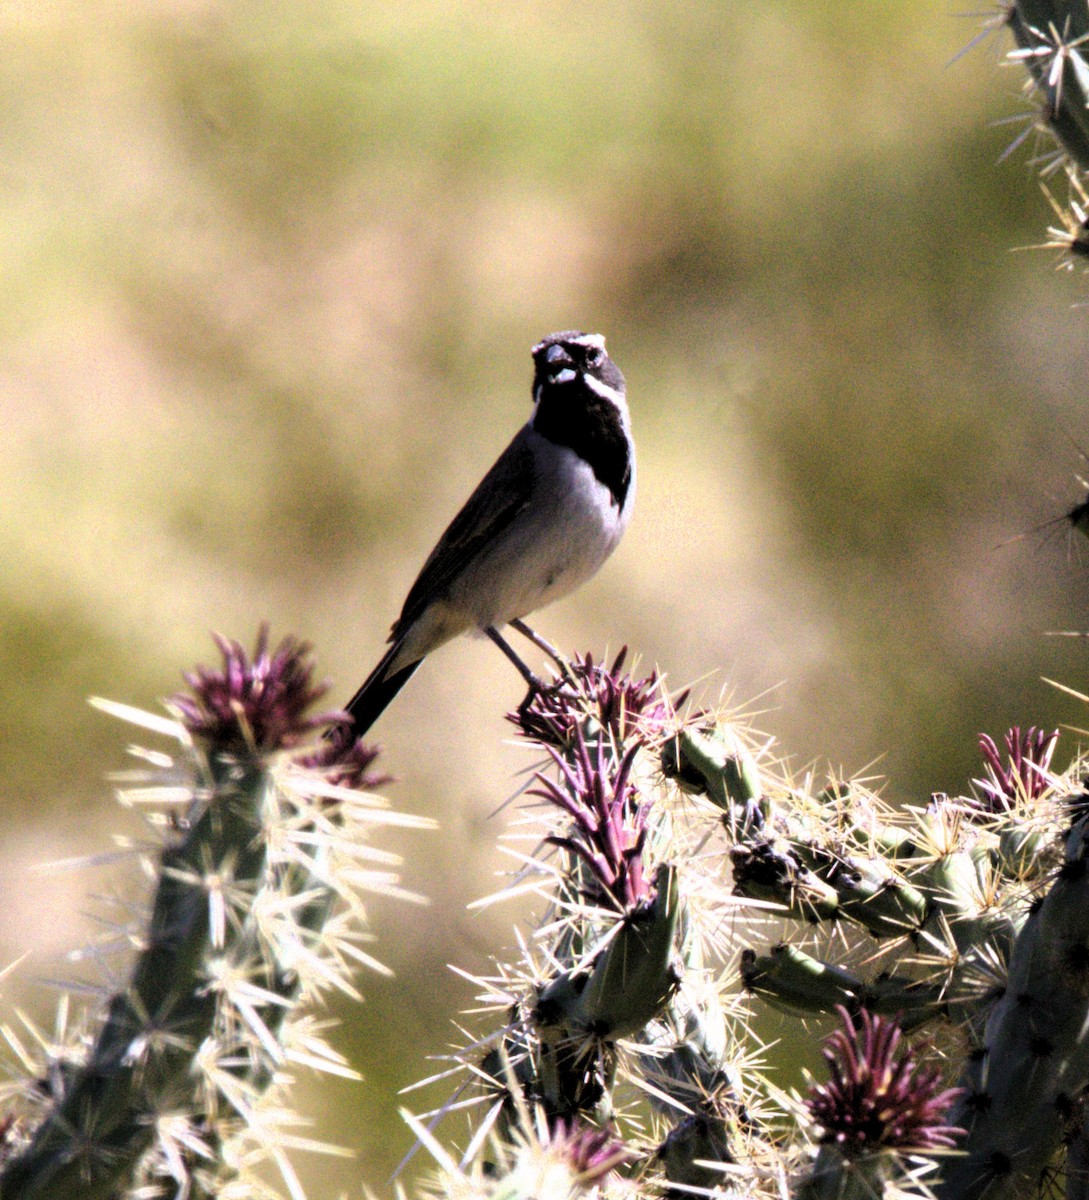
pixel 499 497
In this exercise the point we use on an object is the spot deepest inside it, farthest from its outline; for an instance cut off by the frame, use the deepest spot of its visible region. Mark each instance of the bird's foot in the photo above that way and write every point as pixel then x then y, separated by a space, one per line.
pixel 563 686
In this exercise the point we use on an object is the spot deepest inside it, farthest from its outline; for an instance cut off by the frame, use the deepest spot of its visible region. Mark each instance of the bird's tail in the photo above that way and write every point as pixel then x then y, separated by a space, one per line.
pixel 377 692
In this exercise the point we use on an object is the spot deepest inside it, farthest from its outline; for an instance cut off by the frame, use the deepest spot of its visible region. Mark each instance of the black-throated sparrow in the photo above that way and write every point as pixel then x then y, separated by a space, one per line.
pixel 541 522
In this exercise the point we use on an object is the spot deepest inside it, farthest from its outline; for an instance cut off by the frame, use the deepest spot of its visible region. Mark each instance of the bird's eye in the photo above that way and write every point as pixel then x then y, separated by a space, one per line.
pixel 594 356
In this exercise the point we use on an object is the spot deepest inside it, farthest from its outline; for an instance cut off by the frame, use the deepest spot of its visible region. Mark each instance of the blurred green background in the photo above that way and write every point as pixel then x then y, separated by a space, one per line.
pixel 271 275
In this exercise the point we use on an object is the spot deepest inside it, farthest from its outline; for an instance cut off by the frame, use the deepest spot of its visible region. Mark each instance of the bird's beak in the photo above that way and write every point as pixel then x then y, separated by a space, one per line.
pixel 557 363
pixel 557 354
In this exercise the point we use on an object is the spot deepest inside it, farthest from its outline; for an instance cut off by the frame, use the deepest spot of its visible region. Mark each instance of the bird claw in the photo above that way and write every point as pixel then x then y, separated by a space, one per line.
pixel 538 687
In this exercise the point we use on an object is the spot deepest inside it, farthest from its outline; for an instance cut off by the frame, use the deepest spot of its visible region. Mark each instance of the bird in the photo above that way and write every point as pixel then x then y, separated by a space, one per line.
pixel 541 522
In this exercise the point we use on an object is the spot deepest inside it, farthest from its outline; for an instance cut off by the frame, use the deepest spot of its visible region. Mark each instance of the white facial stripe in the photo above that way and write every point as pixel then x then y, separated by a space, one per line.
pixel 604 391
pixel 596 340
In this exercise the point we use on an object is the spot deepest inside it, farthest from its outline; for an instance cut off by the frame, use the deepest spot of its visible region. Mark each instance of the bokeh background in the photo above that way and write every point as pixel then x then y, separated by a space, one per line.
pixel 271 272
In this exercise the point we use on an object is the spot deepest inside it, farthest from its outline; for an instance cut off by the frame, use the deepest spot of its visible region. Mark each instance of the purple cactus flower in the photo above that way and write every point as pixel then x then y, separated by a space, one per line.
pixel 879 1097
pixel 1024 777
pixel 253 705
pixel 592 1154
pixel 623 706
pixel 609 822
pixel 346 761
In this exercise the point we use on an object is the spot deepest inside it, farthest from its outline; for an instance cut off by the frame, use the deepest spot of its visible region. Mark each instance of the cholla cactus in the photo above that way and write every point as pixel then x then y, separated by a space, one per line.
pixel 880 1107
pixel 686 881
pixel 1052 44
pixel 256 913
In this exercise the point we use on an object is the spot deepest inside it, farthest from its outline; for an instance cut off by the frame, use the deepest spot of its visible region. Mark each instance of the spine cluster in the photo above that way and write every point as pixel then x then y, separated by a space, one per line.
pixel 172 1088
pixel 687 883
pixel 935 958
pixel 1052 44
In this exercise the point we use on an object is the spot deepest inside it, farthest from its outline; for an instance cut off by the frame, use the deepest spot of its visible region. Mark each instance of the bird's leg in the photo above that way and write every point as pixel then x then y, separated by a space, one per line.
pixel 542 644
pixel 535 684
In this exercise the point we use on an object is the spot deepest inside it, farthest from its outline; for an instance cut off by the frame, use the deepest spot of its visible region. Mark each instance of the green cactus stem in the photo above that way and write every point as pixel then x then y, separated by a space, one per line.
pixel 1053 43
pixel 254 912
pixel 1035 1052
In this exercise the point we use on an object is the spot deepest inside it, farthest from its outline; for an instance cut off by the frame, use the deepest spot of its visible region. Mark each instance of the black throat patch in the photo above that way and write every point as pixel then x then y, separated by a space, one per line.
pixel 573 415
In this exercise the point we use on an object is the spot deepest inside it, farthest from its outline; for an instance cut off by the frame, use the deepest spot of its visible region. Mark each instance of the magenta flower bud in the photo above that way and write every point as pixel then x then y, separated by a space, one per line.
pixel 879 1097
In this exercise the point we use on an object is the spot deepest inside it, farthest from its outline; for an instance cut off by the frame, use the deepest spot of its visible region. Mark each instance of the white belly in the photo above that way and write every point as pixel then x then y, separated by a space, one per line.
pixel 559 540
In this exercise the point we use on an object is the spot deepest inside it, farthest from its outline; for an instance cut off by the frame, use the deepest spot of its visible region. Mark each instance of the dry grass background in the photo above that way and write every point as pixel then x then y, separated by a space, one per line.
pixel 271 274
